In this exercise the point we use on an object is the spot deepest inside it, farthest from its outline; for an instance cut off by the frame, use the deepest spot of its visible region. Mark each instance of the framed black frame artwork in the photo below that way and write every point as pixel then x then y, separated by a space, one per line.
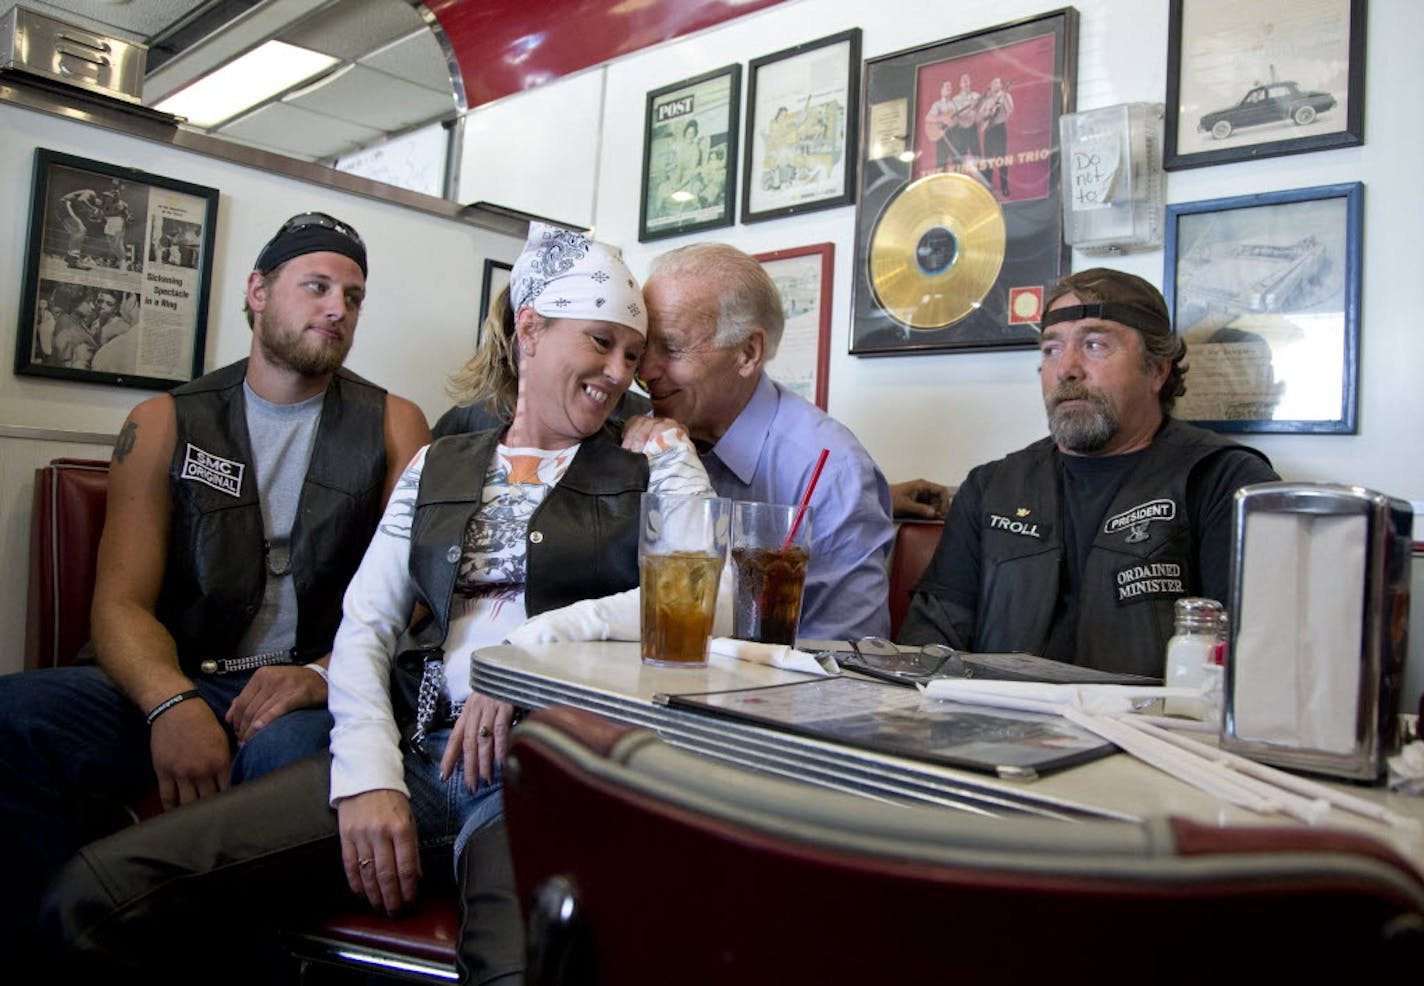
pixel 959 229
pixel 690 155
pixel 803 104
pixel 117 275
pixel 1265 290
pixel 1250 79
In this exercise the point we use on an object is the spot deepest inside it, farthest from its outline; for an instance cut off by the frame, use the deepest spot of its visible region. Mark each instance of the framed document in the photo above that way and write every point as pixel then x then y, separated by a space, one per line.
pixel 801 125
pixel 117 274
pixel 495 280
pixel 1260 78
pixel 803 278
pixel 1265 290
pixel 690 155
pixel 959 230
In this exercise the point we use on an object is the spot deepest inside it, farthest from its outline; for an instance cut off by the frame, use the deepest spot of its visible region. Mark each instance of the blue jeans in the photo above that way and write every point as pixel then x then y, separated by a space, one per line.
pixel 74 751
pixel 447 812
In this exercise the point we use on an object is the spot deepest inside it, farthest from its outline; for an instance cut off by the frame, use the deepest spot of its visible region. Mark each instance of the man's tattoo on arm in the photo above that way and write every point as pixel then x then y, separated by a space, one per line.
pixel 127 436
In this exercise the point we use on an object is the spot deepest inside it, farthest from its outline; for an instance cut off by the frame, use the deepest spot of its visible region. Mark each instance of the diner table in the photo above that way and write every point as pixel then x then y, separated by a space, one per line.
pixel 609 678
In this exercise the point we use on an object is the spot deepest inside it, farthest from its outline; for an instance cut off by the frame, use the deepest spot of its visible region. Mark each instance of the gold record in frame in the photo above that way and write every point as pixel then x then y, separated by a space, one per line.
pixel 937 250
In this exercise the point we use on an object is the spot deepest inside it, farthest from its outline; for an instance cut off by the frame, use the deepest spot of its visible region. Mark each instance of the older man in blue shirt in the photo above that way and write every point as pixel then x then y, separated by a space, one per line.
pixel 714 320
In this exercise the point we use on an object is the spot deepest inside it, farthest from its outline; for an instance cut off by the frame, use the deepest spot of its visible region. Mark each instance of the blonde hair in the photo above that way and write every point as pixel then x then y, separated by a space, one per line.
pixel 491 376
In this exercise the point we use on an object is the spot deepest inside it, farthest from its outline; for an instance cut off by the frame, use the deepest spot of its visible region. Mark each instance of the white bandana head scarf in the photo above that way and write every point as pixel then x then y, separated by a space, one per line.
pixel 563 274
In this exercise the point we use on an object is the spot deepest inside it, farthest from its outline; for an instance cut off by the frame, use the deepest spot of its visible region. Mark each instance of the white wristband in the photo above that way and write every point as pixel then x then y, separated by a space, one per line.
pixel 321 671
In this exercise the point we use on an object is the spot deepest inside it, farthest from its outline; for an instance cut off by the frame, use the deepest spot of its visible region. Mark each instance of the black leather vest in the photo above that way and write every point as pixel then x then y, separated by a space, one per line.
pixel 216 569
pixel 1141 560
pixel 582 540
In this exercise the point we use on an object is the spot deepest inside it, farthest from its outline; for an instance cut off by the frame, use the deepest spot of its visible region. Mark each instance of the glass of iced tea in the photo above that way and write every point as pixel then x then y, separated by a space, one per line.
pixel 681 549
pixel 770 571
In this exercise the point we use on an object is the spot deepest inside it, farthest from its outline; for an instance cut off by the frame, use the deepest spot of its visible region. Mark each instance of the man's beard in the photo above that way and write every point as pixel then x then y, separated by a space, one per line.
pixel 1084 427
pixel 314 357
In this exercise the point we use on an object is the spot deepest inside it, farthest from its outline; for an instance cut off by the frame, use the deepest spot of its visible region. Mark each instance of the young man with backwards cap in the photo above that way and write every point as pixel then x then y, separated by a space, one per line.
pixel 239 506
pixel 1076 547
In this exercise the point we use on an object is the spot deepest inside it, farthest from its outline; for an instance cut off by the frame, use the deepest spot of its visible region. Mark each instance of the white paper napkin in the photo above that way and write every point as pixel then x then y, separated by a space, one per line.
pixel 775 655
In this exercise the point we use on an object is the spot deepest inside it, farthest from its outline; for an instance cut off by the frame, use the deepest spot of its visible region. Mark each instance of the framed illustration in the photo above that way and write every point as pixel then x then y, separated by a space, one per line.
pixel 959 230
pixel 117 274
pixel 802 105
pixel 1265 291
pixel 1253 79
pixel 495 280
pixel 690 155
pixel 802 276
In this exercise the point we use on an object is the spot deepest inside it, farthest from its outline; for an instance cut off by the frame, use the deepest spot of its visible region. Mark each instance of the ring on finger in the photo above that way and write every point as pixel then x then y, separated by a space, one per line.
pixel 484 732
pixel 363 863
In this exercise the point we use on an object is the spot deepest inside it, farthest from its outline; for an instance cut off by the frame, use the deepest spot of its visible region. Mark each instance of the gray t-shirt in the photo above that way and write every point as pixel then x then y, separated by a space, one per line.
pixel 282 436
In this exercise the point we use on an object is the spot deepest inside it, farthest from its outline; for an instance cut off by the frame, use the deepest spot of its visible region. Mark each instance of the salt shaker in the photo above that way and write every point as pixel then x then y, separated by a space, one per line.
pixel 1190 651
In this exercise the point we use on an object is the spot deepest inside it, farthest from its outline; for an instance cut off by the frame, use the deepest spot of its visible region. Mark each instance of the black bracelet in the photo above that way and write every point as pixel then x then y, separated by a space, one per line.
pixel 168 703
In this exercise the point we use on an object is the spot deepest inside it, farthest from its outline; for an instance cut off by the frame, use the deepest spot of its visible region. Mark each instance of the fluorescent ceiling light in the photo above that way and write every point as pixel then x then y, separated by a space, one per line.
pixel 257 76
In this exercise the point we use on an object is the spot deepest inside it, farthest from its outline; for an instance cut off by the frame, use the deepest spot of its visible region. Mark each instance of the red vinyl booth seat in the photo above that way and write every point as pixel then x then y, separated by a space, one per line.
pixel 915 543
pixel 640 862
pixel 67 519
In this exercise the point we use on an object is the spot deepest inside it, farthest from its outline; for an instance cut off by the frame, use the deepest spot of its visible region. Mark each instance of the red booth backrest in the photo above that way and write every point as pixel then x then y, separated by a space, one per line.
pixel 65 524
pixel 915 543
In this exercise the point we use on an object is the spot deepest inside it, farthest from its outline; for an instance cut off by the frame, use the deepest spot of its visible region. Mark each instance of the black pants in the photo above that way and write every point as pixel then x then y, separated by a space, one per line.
pixel 202 890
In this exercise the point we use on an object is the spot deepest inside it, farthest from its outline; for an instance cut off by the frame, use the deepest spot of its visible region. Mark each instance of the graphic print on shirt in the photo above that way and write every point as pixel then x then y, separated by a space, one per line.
pixel 494 542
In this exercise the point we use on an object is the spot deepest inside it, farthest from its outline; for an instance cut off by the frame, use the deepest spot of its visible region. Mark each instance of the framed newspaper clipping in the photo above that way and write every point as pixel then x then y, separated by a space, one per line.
pixel 802 276
pixel 1265 291
pixel 959 230
pixel 117 275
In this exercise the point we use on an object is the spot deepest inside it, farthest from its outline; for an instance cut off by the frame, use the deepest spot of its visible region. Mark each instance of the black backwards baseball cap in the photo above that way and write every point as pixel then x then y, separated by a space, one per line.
pixel 312 232
pixel 1114 295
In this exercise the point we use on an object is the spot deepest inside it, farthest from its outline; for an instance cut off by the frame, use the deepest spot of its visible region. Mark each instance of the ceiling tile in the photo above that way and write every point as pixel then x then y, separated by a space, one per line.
pixel 354 27
pixel 416 58
pixel 376 99
pixel 298 132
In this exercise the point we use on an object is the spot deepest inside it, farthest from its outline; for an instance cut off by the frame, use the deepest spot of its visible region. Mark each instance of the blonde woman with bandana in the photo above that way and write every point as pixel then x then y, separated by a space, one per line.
pixel 415 755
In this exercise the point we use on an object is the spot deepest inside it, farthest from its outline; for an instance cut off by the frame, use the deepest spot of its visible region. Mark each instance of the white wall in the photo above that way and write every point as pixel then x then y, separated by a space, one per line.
pixel 417 324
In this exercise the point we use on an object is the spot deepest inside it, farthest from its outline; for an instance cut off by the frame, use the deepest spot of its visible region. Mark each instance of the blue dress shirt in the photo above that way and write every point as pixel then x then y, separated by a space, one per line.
pixel 768 455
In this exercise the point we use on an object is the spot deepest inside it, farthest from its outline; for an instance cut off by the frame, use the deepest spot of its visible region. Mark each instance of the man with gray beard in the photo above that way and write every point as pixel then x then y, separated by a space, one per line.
pixel 1076 547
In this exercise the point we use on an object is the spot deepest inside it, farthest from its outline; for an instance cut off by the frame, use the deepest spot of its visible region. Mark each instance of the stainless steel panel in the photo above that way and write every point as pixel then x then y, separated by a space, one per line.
pixel 31 42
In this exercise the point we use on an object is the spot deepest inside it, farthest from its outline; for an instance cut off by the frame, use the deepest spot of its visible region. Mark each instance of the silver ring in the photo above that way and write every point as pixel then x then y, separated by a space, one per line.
pixel 363 863
pixel 484 732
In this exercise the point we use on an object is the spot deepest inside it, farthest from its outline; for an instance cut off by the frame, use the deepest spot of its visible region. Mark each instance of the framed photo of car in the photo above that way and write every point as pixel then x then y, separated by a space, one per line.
pixel 1251 79
pixel 802 276
pixel 117 275
pixel 1265 291
pixel 802 105
pixel 690 155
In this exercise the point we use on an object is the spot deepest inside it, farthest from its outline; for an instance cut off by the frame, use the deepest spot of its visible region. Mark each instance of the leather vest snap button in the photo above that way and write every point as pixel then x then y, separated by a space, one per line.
pixel 536 537
pixel 453 555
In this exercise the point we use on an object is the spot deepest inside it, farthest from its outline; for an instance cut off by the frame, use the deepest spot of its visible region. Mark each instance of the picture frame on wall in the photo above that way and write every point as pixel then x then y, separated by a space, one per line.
pixel 802 112
pixel 496 278
pixel 803 277
pixel 118 269
pixel 690 155
pixel 959 226
pixel 1250 79
pixel 1265 291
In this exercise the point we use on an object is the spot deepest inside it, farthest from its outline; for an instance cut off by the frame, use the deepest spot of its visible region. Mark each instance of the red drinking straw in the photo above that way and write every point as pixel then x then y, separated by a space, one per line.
pixel 805 499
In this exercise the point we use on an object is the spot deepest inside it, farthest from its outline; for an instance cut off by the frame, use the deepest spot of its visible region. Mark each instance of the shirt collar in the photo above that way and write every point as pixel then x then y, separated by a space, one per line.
pixel 739 448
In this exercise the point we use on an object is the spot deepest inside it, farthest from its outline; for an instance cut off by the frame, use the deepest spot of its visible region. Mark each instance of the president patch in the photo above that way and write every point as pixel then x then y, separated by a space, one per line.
pixel 223 475
pixel 1134 520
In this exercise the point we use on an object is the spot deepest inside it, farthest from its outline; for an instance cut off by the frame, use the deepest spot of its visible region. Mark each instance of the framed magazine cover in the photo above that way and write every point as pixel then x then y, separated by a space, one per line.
pixel 1265 291
pixel 690 155
pixel 496 278
pixel 803 279
pixel 1251 79
pixel 117 275
pixel 959 227
pixel 802 108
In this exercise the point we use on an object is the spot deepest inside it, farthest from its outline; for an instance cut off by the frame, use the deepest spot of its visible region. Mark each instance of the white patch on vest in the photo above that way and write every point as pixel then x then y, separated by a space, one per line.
pixel 223 475
pixel 1019 527
pixel 1154 579
pixel 1135 519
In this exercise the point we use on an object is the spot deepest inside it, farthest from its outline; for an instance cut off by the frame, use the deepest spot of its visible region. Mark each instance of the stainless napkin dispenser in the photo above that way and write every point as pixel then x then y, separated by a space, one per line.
pixel 1319 626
